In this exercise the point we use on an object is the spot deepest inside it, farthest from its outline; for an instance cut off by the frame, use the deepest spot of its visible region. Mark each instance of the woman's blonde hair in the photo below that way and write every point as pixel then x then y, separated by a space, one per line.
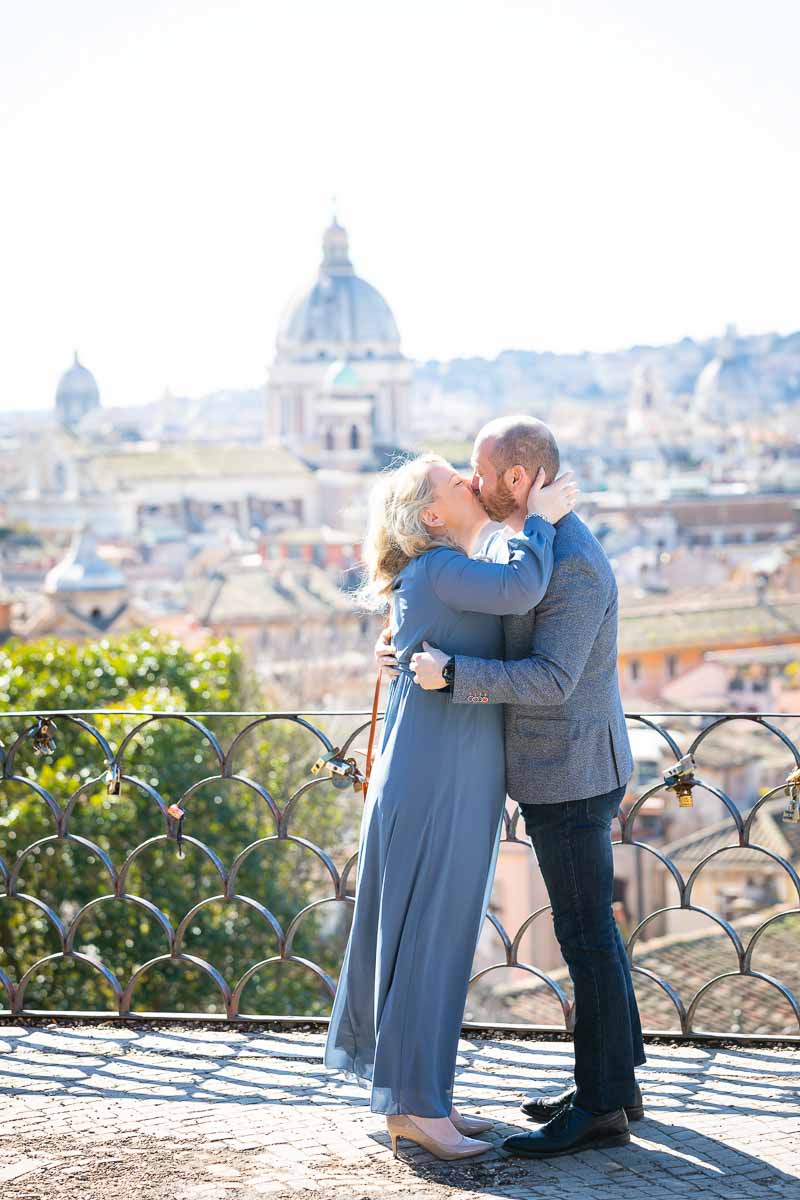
pixel 396 532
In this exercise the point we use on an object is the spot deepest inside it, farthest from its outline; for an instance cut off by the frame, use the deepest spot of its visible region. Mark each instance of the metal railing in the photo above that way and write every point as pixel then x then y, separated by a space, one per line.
pixel 98 807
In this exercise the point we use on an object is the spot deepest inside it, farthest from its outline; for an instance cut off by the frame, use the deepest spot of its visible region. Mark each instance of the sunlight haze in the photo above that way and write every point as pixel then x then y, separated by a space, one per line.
pixel 549 176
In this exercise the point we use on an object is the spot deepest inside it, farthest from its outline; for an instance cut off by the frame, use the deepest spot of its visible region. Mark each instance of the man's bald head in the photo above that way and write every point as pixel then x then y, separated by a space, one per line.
pixel 520 441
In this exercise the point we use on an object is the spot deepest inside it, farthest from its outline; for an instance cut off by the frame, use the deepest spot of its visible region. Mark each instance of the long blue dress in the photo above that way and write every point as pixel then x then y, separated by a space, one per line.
pixel 429 834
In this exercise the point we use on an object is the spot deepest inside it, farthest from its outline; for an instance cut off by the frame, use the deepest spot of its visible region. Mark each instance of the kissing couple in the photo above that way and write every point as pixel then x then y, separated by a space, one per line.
pixel 502 652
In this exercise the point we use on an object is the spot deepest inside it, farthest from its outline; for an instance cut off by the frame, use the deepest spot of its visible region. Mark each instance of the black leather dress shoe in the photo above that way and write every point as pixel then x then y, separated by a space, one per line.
pixel 570 1130
pixel 545 1108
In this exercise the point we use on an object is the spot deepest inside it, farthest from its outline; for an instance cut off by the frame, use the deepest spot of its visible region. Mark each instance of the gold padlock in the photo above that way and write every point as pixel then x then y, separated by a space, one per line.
pixel 43 741
pixel 680 780
pixel 323 761
pixel 792 789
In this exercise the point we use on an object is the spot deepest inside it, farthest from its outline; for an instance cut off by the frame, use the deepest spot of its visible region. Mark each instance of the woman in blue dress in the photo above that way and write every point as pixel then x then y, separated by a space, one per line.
pixel 431 824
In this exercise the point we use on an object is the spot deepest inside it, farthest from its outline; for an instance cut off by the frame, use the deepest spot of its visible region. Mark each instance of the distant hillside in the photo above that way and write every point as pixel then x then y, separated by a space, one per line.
pixel 518 377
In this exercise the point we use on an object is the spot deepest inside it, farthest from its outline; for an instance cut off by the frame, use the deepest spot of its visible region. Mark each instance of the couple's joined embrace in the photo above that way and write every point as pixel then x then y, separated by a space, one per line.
pixel 504 680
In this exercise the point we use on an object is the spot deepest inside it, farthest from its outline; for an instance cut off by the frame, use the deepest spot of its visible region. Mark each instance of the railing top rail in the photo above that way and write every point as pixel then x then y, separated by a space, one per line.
pixel 323 712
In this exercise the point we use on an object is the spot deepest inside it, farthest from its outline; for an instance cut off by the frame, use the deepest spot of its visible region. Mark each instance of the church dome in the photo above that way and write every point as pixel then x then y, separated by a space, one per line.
pixel 83 570
pixel 340 307
pixel 77 393
pixel 727 388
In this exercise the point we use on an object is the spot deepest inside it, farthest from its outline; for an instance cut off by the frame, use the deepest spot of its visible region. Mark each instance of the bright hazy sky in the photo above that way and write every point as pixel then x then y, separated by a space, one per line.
pixel 559 175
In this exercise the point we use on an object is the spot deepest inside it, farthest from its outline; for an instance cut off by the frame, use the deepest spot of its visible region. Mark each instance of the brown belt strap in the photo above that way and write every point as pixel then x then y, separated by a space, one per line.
pixel 373 726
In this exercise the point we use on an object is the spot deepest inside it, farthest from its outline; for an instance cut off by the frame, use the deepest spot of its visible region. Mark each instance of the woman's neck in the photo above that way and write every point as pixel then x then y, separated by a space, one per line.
pixel 468 537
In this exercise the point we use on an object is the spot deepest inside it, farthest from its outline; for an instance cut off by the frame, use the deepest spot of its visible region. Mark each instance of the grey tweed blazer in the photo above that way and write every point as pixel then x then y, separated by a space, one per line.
pixel 565 731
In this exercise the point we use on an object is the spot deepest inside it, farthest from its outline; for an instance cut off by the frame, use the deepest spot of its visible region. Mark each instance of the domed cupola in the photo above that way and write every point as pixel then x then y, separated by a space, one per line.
pixel 339 386
pixel 727 388
pixel 341 315
pixel 85 587
pixel 76 395
pixel 83 570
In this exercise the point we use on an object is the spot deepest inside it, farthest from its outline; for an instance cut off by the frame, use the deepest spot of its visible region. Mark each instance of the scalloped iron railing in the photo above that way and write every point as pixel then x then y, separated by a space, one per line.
pixel 684 974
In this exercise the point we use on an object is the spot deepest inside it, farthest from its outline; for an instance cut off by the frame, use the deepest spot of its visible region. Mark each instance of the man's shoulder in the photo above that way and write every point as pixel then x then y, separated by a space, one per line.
pixel 575 543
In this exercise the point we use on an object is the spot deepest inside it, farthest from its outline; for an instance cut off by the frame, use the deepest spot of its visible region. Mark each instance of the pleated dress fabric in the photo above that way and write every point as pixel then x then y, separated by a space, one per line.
pixel 429 837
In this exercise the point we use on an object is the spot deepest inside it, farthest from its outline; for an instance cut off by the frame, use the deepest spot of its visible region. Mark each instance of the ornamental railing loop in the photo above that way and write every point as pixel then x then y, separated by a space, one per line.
pixel 701 985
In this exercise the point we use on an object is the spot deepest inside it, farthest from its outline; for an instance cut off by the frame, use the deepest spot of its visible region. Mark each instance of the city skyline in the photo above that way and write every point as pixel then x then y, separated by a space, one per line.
pixel 585 181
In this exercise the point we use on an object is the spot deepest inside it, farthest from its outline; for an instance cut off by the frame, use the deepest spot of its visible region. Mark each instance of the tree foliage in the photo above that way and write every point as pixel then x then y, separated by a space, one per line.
pixel 146 673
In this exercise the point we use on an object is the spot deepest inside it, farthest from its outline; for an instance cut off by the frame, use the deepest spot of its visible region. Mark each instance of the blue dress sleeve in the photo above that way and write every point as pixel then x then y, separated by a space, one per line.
pixel 506 589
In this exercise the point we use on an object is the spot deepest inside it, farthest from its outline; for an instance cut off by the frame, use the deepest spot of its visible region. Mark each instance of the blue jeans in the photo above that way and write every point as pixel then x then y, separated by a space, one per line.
pixel 572 841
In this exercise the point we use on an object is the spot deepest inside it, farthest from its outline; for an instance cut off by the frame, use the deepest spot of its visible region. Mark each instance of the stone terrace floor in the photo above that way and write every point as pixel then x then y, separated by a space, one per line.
pixel 187 1113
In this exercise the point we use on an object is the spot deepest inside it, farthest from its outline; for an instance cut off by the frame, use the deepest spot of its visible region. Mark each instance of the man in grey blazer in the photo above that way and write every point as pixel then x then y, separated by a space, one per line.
pixel 568 760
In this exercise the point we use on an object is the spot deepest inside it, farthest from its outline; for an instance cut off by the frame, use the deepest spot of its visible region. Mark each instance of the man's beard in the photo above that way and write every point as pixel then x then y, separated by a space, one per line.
pixel 502 504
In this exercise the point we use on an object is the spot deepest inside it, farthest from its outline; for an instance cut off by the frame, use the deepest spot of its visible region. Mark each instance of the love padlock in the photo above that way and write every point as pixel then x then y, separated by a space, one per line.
pixel 792 789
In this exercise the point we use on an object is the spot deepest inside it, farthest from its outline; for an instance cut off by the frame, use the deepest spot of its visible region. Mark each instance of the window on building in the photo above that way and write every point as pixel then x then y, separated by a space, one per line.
pixel 355 440
pixel 672 665
pixel 329 440
pixel 635 670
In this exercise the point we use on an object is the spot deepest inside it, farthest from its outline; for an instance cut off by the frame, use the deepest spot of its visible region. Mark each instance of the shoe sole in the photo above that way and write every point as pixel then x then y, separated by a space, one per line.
pixel 633 1114
pixel 619 1139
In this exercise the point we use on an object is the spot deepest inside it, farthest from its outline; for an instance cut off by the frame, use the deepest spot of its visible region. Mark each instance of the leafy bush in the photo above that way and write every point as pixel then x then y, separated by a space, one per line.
pixel 138 674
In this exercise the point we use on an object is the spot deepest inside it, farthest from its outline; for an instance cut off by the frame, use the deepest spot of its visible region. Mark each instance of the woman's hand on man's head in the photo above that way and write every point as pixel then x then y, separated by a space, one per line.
pixel 553 500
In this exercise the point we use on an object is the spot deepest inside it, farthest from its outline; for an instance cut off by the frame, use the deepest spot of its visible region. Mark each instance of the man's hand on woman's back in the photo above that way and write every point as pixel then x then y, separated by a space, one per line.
pixel 386 655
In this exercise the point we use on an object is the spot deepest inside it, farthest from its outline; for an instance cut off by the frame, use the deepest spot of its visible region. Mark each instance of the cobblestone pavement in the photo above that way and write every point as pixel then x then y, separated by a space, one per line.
pixel 197 1114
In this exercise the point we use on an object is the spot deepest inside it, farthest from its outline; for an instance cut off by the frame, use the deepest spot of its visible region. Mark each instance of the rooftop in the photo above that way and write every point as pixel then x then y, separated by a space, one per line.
pixel 269 591
pixel 173 1111
pixel 195 462
pixel 737 621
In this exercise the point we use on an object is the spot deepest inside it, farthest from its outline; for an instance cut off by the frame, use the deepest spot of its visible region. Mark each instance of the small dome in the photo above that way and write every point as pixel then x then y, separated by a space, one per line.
pixel 727 388
pixel 78 381
pixel 83 570
pixel 340 376
pixel 340 306
pixel 77 393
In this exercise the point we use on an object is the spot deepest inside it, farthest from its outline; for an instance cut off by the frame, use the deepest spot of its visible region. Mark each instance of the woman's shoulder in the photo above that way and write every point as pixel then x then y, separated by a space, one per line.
pixel 440 555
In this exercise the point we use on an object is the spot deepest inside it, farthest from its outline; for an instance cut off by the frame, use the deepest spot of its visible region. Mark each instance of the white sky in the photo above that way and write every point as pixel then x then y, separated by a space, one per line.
pixel 551 175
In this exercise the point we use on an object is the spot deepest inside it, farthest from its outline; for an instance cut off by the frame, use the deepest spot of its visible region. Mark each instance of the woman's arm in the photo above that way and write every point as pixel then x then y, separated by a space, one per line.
pixel 504 589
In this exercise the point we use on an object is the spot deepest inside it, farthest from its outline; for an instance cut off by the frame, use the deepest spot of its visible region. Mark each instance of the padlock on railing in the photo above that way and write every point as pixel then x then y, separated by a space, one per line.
pixel 344 771
pixel 43 741
pixel 113 779
pixel 792 789
pixel 680 780
pixel 175 815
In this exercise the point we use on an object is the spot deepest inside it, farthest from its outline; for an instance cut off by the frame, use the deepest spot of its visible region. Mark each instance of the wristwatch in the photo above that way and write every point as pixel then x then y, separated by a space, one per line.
pixel 449 675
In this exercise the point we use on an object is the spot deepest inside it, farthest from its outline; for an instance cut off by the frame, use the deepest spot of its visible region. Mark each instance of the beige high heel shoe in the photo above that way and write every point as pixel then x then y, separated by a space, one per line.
pixel 470 1125
pixel 405 1127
